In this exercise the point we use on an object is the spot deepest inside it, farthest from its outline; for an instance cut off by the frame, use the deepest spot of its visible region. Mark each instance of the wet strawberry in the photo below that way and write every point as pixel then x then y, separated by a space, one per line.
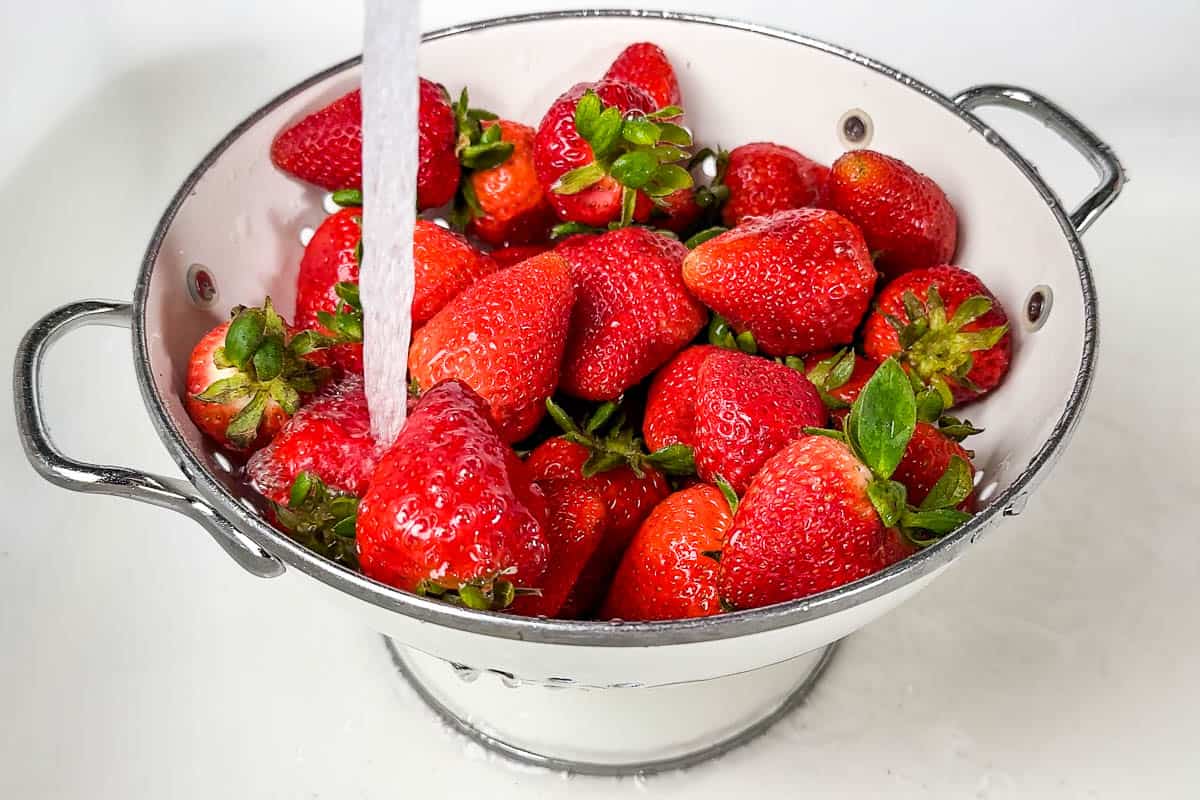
pixel 798 281
pixel 450 511
pixel 504 337
pixel 577 520
pixel 747 408
pixel 331 258
pixel 904 216
pixel 763 178
pixel 670 569
pixel 632 311
pixel 444 265
pixel 839 376
pixel 926 460
pixel 646 66
pixel 670 414
pixel 946 327
pixel 506 203
pixel 515 254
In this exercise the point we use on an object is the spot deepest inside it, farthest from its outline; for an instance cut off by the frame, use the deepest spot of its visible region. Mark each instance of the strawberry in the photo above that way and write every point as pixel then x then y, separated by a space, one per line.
pixel 928 456
pixel 603 154
pixel 645 66
pixel 904 216
pixel 839 376
pixel 746 409
pixel 505 203
pixel 632 310
pixel 515 254
pixel 444 265
pixel 763 178
pixel 325 147
pixel 245 378
pixel 678 212
pixel 329 438
pixel 504 337
pixel 797 281
pixel 946 327
pixel 321 518
pixel 450 511
pixel 824 511
pixel 670 569
pixel 670 414
pixel 577 520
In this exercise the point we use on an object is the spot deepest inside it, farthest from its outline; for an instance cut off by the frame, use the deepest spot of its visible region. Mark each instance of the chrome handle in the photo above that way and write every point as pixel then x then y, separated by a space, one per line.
pixel 61 470
pixel 1099 155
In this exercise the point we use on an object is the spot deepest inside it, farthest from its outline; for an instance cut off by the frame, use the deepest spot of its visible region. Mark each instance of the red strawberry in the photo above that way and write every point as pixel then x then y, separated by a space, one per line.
pixel 601 155
pixel 325 147
pixel 925 461
pixel 747 408
pixel 946 327
pixel 797 280
pixel 577 522
pixel 444 265
pixel 823 511
pixel 330 258
pixel 839 376
pixel 507 202
pixel 645 66
pixel 904 216
pixel 243 381
pixel 763 178
pixel 678 212
pixel 670 569
pixel 504 337
pixel 515 254
pixel 330 438
pixel 632 310
pixel 451 511
pixel 670 414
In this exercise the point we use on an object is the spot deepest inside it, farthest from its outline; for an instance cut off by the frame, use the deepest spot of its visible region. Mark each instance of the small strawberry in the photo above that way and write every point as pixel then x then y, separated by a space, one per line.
pixel 245 378
pixel 504 337
pixel 904 216
pixel 839 376
pixel 325 147
pixel 747 408
pixel 762 178
pixel 331 258
pixel 824 511
pixel 678 212
pixel 929 454
pixel 670 569
pixel 670 414
pixel 946 327
pixel 798 280
pixel 632 311
pixel 577 520
pixel 504 203
pixel 646 66
pixel 515 254
pixel 329 438
pixel 450 511
pixel 603 154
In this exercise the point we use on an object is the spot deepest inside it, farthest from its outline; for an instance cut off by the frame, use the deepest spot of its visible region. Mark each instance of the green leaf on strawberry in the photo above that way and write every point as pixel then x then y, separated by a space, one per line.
pixel 320 518
pixel 612 443
pixel 882 419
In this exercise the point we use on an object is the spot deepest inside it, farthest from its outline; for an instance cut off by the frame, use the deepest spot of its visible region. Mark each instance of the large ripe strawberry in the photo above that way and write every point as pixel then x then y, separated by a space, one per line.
pixel 646 66
pixel 603 154
pixel 670 569
pixel 798 281
pixel 325 147
pixel 670 414
pixel 764 177
pixel 946 327
pixel 504 337
pixel 747 408
pixel 824 511
pixel 577 520
pixel 905 217
pixel 505 203
pixel 451 511
pixel 245 379
pixel 632 311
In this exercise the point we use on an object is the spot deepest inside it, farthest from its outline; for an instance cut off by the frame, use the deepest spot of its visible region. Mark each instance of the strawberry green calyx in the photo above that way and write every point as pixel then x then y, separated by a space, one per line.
pixel 348 198
pixel 714 195
pixel 492 593
pixel 878 428
pixel 613 444
pixel 321 519
pixel 343 326
pixel 934 347
pixel 565 229
pixel 697 239
pixel 931 408
pixel 829 375
pixel 720 334
pixel 477 147
pixel 731 498
pixel 258 347
pixel 639 151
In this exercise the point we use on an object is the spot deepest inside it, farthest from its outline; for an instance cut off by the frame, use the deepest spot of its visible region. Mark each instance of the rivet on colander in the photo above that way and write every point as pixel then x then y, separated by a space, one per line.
pixel 201 286
pixel 1037 307
pixel 855 128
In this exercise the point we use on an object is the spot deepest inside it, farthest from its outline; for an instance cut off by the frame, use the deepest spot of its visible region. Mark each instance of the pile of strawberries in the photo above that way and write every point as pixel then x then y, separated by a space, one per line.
pixel 647 380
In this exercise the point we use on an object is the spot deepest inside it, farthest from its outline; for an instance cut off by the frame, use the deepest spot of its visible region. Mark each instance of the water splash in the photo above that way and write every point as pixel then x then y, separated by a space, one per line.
pixel 391 35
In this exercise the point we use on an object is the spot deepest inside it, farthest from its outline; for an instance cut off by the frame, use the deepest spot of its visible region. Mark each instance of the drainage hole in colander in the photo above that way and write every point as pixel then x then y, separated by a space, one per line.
pixel 1037 307
pixel 855 128
pixel 201 286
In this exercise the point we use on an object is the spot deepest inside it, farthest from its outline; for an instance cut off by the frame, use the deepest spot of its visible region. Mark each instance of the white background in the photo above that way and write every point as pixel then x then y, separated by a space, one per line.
pixel 136 661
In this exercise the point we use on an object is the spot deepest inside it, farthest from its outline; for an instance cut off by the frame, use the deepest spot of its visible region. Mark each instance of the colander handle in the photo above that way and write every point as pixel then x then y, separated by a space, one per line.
pixel 1099 155
pixel 61 470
